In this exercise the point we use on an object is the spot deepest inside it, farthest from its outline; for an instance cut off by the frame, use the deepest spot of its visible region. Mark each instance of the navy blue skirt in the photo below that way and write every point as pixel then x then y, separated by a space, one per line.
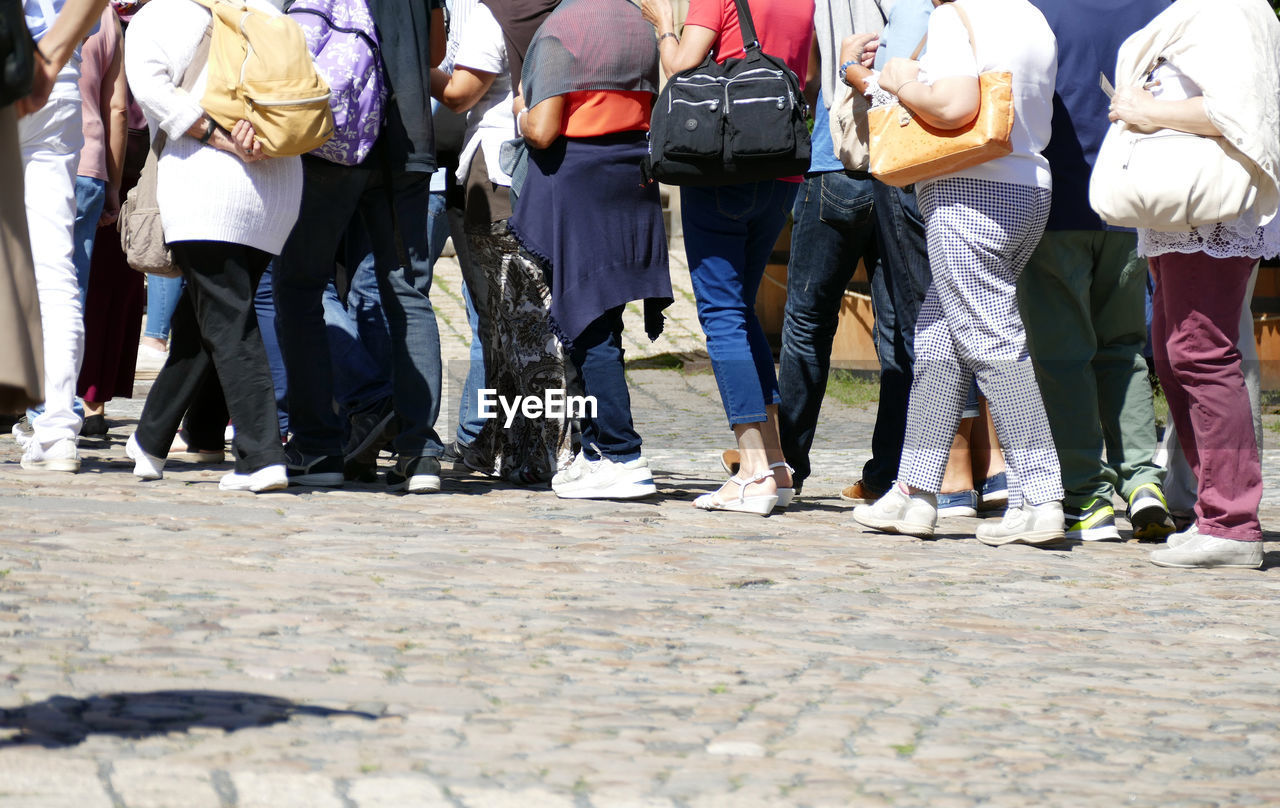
pixel 586 212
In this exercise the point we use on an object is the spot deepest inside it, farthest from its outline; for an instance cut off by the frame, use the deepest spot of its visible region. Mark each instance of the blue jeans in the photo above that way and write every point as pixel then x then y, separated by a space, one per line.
pixel 834 226
pixel 597 355
pixel 729 233
pixel 91 195
pixel 264 305
pixel 332 197
pixel 162 299
pixel 897 292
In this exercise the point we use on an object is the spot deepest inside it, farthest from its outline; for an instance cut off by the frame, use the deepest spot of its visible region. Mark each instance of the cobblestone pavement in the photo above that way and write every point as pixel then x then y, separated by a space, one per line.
pixel 165 644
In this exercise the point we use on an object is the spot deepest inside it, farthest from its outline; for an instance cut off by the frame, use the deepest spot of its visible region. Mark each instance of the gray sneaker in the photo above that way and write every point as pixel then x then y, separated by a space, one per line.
pixel 896 512
pixel 1203 550
pixel 1030 524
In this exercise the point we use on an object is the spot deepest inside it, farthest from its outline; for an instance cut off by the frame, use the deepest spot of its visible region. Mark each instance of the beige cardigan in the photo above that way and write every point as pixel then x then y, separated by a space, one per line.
pixel 1231 49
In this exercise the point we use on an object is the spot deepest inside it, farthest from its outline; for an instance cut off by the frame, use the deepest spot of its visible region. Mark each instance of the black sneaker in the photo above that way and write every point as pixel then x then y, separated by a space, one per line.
pixel 415 475
pixel 316 470
pixel 94 426
pixel 371 430
pixel 1096 521
pixel 1149 513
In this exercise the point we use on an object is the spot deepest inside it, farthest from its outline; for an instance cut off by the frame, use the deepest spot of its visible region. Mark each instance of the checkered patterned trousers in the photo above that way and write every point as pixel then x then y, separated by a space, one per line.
pixel 981 235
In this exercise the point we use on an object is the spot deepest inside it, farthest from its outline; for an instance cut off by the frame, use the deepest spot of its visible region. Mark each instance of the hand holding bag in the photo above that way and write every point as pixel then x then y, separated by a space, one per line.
pixel 1170 180
pixel 743 120
pixel 906 150
pixel 141 230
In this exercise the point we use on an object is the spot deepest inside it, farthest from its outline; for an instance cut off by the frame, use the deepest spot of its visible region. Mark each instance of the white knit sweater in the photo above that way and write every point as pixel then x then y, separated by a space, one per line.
pixel 204 194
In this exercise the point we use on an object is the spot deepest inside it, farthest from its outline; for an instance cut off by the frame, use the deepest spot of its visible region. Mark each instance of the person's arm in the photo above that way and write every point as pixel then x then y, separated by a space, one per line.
pixel 56 47
pixel 677 52
pixel 947 103
pixel 813 79
pixel 544 123
pixel 1137 107
pixel 115 100
pixel 461 89
pixel 857 55
pixel 438 37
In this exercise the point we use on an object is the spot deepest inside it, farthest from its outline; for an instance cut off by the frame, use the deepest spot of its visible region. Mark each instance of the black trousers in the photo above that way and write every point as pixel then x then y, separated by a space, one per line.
pixel 214 330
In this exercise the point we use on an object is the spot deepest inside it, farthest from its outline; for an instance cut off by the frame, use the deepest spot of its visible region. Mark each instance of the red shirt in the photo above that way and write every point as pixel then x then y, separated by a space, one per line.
pixel 785 28
pixel 603 112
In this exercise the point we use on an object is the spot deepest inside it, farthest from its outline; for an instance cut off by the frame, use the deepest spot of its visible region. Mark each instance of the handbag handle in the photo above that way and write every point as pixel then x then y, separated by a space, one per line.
pixel 189 78
pixel 964 19
pixel 747 26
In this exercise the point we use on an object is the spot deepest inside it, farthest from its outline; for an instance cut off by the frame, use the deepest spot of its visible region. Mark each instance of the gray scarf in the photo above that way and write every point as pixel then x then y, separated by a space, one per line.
pixel 591 45
pixel 836 19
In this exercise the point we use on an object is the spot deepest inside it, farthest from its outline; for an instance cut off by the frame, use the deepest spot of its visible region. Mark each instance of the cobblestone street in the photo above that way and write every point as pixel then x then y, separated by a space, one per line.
pixel 165 644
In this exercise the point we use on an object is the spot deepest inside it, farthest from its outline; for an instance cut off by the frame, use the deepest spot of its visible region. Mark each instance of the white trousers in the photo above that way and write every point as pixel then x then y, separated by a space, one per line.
pixel 51 140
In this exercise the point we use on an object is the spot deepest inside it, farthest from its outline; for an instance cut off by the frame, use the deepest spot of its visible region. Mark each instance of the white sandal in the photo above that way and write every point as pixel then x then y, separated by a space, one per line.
pixel 759 504
pixel 785 495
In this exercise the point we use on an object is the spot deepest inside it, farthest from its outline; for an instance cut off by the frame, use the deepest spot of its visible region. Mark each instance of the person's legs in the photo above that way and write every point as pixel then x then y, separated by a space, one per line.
pixel 598 356
pixel 162 298
pixel 51 140
pixel 91 195
pixel 405 290
pixel 265 308
pixel 223 278
pixel 898 290
pixel 832 229
pixel 984 317
pixel 302 272
pixel 1199 367
pixel 1125 400
pixel 177 384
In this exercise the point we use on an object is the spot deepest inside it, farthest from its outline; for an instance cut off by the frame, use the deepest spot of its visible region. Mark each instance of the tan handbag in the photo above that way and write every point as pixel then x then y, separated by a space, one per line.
pixel 849 130
pixel 141 231
pixel 906 150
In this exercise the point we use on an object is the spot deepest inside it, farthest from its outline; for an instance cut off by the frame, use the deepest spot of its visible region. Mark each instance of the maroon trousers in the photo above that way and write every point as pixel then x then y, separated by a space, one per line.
pixel 1195 324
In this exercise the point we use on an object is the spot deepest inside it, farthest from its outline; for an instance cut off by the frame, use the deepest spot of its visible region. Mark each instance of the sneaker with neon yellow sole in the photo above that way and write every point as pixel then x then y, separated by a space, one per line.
pixel 1149 513
pixel 1094 521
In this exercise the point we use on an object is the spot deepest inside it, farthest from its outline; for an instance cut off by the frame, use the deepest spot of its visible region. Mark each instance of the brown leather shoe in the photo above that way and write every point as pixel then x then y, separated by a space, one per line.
pixel 861 492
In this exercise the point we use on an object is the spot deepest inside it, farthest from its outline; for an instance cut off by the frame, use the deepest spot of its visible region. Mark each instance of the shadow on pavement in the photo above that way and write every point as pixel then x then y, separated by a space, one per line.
pixel 63 721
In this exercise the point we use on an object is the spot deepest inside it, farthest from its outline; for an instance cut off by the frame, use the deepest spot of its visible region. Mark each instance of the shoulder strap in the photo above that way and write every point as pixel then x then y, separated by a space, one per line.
pixel 883 17
pixel 189 78
pixel 748 26
pixel 964 19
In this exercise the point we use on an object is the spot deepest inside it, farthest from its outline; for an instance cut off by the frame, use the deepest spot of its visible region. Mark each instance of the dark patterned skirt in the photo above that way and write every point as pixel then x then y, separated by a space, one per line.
pixel 522 357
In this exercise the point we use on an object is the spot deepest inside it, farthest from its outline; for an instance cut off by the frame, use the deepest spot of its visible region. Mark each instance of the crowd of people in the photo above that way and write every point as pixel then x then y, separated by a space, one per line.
pixel 1011 321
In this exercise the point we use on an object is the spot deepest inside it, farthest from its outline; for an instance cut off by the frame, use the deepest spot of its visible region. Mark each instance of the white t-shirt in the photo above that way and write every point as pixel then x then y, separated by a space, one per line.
pixel 481 47
pixel 1013 37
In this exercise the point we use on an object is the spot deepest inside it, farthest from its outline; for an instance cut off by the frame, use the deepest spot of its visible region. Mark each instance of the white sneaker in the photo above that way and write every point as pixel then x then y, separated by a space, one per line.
pixel 145 466
pixel 1180 538
pixel 23 432
pixel 1030 524
pixel 899 512
pixel 1203 550
pixel 61 455
pixel 604 479
pixel 268 478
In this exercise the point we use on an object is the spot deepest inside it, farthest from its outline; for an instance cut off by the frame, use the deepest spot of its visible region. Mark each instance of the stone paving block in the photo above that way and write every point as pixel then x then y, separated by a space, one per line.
pixel 270 790
pixel 397 792
pixel 44 780
pixel 478 797
pixel 161 784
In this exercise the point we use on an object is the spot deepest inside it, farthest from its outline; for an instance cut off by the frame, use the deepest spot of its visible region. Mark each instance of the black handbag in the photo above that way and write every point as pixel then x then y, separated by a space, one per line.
pixel 743 120
pixel 17 53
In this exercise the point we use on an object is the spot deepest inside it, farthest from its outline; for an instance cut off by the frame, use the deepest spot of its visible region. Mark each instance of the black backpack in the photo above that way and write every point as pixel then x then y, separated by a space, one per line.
pixel 721 124
pixel 17 53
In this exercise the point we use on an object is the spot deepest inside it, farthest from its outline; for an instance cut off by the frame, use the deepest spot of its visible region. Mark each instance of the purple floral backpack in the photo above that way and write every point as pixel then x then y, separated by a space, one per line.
pixel 344 43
